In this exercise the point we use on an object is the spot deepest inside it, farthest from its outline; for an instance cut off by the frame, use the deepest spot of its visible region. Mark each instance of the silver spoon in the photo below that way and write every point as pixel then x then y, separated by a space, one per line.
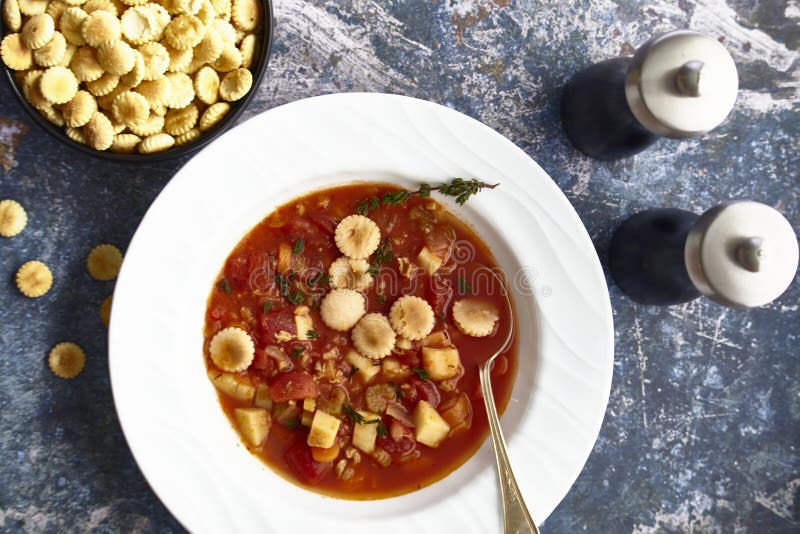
pixel 516 518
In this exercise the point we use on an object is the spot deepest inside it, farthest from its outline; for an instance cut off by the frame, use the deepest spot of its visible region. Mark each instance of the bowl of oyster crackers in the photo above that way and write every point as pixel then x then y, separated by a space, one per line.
pixel 135 80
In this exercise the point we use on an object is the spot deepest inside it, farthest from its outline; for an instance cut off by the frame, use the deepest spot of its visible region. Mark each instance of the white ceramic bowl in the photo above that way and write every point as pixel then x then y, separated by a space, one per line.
pixel 169 411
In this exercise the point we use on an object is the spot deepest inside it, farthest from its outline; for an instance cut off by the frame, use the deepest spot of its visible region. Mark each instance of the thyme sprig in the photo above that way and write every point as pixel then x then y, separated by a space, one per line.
pixel 459 188
pixel 382 255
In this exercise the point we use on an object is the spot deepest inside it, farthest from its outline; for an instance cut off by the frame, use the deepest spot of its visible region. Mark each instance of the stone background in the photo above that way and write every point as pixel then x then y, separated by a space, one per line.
pixel 701 432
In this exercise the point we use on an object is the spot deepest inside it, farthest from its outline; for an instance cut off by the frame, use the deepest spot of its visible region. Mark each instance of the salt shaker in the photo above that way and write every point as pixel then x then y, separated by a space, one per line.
pixel 680 84
pixel 739 253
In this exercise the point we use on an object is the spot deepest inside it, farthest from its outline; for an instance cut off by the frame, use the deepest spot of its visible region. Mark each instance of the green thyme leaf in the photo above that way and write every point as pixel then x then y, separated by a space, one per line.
pixel 462 189
pixel 464 288
pixel 382 255
pixel 312 334
pixel 297 352
pixel 267 306
pixel 353 415
pixel 398 391
pixel 284 285
pixel 291 423
pixel 225 286
pixel 319 278
pixel 299 246
pixel 459 188
pixel 393 198
pixel 353 371
pixel 422 373
pixel 295 297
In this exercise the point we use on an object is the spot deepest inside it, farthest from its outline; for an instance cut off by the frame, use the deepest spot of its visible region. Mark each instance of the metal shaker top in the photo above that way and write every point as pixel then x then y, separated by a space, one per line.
pixel 742 254
pixel 681 84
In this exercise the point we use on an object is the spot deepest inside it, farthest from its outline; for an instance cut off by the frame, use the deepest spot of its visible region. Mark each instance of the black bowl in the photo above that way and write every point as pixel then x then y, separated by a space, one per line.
pixel 205 138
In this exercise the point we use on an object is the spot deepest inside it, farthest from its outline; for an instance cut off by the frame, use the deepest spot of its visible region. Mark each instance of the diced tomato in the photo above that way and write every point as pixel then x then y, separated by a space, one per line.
pixel 440 293
pixel 217 312
pixel 302 463
pixel 293 385
pixel 237 271
pixel 276 321
pixel 241 270
pixel 262 361
pixel 426 390
pixel 262 274
pixel 326 223
pixel 315 231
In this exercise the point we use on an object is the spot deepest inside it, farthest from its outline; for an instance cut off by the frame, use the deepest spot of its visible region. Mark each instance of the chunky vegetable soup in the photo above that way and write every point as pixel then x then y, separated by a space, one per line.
pixel 344 336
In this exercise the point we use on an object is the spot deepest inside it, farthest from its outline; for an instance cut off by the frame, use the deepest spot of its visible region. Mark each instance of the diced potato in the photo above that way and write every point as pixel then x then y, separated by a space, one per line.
pixel 366 366
pixel 429 261
pixel 233 387
pixel 303 322
pixel 323 430
pixel 440 364
pixel 263 400
pixel 284 257
pixel 364 435
pixel 392 369
pixel 404 344
pixel 307 419
pixel 253 423
pixel 437 339
pixel 309 405
pixel 429 426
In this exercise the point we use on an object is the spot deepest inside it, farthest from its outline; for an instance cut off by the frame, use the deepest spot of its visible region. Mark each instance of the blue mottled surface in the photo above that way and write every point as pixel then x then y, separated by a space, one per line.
pixel 702 427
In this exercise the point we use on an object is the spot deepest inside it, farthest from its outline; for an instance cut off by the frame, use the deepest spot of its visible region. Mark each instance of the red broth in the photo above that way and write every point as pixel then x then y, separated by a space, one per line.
pixel 252 294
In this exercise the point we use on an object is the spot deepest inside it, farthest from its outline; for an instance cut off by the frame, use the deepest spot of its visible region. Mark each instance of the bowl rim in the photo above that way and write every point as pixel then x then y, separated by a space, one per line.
pixel 229 120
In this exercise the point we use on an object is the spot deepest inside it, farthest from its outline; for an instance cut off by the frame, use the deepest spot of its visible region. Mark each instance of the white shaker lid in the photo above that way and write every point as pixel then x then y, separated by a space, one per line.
pixel 681 84
pixel 742 253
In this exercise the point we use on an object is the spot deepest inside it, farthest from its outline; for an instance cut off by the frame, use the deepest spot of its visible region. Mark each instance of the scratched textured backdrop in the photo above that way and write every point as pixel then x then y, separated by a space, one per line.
pixel 702 427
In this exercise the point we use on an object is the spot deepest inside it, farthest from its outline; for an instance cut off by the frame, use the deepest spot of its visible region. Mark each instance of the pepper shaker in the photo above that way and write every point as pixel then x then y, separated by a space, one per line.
pixel 680 84
pixel 739 253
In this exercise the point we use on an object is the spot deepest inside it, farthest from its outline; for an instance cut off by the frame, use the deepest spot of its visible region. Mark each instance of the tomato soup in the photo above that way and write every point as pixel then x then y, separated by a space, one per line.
pixel 344 336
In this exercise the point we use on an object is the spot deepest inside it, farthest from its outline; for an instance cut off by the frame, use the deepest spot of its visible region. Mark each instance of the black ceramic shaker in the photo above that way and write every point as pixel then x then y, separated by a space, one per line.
pixel 739 253
pixel 680 84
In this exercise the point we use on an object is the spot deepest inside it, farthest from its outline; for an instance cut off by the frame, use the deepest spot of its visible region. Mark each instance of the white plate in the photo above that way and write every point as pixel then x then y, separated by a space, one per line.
pixel 169 412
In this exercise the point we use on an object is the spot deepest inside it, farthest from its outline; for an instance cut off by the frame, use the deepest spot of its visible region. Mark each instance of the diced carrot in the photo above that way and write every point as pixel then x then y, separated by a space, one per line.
pixel 325 455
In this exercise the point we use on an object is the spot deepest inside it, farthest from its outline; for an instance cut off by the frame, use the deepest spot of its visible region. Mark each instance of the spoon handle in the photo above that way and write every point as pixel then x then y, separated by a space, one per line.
pixel 516 519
